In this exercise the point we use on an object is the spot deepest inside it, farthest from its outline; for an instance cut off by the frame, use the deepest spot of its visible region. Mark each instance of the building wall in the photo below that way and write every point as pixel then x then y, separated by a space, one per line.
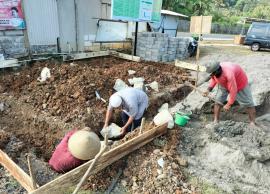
pixel 74 22
pixel 168 24
pixel 87 13
pixel 67 25
pixel 42 30
pixel 12 43
pixel 42 24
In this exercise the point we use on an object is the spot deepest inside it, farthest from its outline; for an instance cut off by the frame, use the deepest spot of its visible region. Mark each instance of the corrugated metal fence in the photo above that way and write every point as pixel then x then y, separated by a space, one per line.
pixel 42 21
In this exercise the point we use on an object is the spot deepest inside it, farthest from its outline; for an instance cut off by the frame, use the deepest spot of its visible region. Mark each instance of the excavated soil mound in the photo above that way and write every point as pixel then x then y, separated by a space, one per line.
pixel 70 92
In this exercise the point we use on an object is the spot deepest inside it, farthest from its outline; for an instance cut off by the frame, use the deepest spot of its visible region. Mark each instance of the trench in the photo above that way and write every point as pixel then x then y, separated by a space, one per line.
pixel 26 129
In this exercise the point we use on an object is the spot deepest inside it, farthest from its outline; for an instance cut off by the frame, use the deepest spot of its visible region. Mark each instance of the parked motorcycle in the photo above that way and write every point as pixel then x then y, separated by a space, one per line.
pixel 193 45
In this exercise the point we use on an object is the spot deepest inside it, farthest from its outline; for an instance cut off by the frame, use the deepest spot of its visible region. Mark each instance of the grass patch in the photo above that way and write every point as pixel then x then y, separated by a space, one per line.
pixel 205 187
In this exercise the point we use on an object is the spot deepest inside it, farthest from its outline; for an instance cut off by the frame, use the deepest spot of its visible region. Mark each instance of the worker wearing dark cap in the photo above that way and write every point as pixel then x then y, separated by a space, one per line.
pixel 231 80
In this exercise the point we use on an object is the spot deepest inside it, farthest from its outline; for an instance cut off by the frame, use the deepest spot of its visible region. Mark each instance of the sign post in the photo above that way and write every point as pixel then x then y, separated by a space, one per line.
pixel 136 11
pixel 200 25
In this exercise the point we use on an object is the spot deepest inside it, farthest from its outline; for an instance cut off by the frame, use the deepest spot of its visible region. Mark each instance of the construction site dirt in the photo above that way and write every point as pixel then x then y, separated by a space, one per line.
pixel 197 158
pixel 37 114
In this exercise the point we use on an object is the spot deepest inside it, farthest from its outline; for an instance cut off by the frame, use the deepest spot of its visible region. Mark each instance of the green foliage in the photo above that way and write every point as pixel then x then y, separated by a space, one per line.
pixel 261 11
pixel 227 12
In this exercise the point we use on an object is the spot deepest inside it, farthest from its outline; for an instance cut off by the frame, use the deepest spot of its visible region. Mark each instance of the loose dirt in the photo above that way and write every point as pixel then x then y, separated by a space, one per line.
pixel 231 155
pixel 37 115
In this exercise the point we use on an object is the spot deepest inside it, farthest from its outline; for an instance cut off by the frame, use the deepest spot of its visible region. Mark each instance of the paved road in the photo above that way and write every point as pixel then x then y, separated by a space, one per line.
pixel 210 36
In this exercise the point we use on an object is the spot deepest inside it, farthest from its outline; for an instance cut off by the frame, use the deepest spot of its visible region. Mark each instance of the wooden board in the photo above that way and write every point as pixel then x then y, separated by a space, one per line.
pixel 189 66
pixel 80 56
pixel 9 63
pixel 70 179
pixel 23 178
pixel 126 56
pixel 201 24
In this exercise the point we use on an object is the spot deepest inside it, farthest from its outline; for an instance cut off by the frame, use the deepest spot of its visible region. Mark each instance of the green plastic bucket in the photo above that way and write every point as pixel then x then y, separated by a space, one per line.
pixel 181 120
pixel 184 112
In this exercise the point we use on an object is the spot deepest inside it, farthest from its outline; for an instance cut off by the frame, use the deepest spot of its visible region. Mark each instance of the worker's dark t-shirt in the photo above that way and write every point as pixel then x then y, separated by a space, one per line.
pixel 62 160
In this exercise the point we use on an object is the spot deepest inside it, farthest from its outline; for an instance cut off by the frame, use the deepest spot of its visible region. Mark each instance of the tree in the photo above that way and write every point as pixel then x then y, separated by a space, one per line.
pixel 261 11
pixel 189 7
pixel 246 5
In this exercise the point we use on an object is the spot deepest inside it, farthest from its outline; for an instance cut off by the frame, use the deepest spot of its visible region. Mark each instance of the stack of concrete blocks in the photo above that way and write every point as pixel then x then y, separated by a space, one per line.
pixel 182 50
pixel 155 46
pixel 173 45
pixel 152 46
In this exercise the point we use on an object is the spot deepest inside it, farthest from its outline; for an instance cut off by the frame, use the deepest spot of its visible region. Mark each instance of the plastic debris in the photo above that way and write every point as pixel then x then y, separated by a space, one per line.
pixel 2 106
pixel 163 107
pixel 164 117
pixel 131 72
pixel 113 130
pixel 154 86
pixel 161 162
pixel 136 80
pixel 45 74
pixel 119 85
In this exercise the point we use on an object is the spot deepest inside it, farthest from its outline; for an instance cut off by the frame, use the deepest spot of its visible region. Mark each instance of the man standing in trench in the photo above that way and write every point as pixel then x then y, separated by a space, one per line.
pixel 232 81
pixel 77 147
pixel 133 103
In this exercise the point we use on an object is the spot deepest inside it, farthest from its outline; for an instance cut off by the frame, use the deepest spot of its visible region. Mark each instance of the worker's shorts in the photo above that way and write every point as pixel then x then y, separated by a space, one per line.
pixel 244 96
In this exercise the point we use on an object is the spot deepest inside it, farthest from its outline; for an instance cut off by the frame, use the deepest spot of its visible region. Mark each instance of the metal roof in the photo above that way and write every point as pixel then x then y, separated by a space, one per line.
pixel 167 12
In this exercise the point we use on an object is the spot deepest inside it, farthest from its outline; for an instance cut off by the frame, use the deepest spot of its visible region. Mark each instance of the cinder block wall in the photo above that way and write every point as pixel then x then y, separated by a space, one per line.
pixel 12 43
pixel 155 46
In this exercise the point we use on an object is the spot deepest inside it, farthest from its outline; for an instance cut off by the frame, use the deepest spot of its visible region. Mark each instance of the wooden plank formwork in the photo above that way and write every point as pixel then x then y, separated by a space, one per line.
pixel 80 56
pixel 189 66
pixel 126 56
pixel 23 178
pixel 70 179
pixel 87 55
pixel 9 63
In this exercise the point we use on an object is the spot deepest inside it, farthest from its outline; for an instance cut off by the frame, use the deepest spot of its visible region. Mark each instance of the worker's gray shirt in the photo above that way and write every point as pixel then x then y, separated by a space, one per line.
pixel 134 103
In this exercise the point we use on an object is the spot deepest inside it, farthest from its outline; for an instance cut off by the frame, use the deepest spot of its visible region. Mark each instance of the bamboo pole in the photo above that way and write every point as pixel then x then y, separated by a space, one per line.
pixel 31 172
pixel 102 150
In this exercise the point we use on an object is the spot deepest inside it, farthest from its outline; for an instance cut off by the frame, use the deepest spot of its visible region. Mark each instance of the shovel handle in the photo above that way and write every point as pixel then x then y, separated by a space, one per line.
pixel 201 92
pixel 103 100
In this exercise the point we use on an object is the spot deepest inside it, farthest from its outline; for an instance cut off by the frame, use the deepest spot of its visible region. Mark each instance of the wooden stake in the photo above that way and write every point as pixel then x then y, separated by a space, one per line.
pixel 142 125
pixel 201 92
pixel 30 167
pixel 198 52
pixel 23 178
pixel 102 150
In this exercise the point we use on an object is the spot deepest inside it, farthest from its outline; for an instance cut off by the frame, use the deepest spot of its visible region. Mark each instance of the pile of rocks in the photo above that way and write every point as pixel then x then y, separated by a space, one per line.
pixel 153 46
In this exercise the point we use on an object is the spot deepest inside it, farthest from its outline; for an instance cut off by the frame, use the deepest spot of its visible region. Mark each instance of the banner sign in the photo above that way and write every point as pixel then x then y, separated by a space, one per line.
pixel 136 10
pixel 11 16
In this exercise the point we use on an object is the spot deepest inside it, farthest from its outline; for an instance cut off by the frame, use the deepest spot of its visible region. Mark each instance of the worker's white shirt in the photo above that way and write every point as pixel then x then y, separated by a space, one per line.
pixel 134 103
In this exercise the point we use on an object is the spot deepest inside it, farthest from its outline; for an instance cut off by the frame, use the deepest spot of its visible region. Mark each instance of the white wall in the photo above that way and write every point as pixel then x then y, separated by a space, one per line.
pixel 67 25
pixel 168 23
pixel 41 21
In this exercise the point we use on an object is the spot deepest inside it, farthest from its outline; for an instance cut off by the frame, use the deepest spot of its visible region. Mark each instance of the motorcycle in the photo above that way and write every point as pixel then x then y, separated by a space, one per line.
pixel 192 47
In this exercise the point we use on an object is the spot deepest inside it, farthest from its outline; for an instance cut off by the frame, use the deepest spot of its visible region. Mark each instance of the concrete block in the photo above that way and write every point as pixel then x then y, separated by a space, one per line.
pixel 171 52
pixel 163 49
pixel 165 58
pixel 13 33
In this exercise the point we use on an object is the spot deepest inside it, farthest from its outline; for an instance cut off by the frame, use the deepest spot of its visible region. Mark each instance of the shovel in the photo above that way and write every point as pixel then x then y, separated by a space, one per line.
pixel 99 97
pixel 201 92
